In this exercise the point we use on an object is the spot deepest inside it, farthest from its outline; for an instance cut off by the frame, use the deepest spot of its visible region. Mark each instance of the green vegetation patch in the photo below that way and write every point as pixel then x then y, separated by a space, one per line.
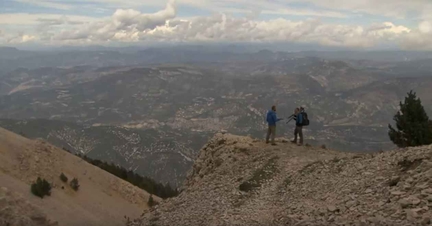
pixel 63 178
pixel 41 188
pixel 74 184
pixel 145 183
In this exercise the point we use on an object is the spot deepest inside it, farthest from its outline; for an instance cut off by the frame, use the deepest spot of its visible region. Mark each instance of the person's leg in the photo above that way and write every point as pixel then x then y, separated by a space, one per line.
pixel 295 135
pixel 300 132
pixel 273 134
pixel 268 134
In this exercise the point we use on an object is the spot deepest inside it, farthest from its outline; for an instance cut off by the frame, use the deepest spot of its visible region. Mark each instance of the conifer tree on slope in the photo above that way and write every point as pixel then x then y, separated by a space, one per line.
pixel 413 127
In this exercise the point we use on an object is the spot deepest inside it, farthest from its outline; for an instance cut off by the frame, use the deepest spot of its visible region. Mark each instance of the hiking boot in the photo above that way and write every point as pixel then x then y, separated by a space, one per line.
pixel 273 144
pixel 294 142
pixel 267 142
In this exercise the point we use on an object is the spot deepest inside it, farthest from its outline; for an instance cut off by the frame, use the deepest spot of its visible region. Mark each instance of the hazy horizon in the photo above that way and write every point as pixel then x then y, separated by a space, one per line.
pixel 226 47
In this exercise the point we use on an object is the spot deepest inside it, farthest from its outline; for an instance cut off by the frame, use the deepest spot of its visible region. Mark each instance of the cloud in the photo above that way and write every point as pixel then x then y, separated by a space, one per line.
pixel 418 39
pixel 389 8
pixel 230 29
pixel 134 26
pixel 18 39
pixel 387 30
pixel 305 12
pixel 315 8
pixel 322 8
pixel 425 27
pixel 233 6
pixel 262 6
pixel 35 19
pixel 128 3
pixel 27 38
pixel 124 25
pixel 130 25
pixel 47 4
pixel 66 5
pixel 58 21
pixel 279 11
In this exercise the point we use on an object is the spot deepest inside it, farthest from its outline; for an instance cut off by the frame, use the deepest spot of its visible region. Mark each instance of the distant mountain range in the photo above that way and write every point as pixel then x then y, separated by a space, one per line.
pixel 99 56
pixel 151 117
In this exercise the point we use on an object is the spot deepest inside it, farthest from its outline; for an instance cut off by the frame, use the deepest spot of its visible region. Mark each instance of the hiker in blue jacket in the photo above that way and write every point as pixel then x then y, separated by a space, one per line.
pixel 271 120
pixel 299 126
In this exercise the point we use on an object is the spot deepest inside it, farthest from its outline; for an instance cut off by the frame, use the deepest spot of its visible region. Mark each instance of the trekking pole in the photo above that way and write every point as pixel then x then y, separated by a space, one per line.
pixel 290 118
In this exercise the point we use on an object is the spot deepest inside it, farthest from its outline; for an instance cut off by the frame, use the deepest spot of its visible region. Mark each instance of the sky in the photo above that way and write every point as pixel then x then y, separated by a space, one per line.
pixel 357 24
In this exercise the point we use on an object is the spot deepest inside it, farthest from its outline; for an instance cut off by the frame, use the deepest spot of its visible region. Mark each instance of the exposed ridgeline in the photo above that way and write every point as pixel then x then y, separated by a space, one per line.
pixel 241 181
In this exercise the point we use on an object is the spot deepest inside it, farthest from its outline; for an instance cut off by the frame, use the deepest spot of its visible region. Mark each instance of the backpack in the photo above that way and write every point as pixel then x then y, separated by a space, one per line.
pixel 305 119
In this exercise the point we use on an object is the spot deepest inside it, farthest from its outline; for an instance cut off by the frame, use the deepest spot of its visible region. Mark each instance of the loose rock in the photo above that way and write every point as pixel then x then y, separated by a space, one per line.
pixel 292 185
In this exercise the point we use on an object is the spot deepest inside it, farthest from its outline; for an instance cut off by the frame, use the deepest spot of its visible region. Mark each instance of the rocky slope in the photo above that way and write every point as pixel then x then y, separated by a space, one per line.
pixel 242 181
pixel 102 198
pixel 17 211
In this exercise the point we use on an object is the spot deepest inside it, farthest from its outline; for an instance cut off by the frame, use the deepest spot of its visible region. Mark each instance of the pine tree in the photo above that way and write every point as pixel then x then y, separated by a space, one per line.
pixel 413 127
pixel 74 184
pixel 41 188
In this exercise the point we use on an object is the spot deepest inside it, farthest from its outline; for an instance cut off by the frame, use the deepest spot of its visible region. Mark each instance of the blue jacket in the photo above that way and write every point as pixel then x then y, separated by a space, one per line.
pixel 299 119
pixel 272 118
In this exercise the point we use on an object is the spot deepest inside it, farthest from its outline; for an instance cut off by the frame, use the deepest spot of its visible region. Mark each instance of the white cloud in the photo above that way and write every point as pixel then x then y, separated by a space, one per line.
pixel 387 31
pixel 133 26
pixel 27 38
pixel 18 39
pixel 224 28
pixel 129 25
pixel 124 25
pixel 395 29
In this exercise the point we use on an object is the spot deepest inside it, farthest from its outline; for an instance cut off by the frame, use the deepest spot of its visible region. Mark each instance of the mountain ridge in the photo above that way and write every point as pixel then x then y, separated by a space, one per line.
pixel 102 198
pixel 243 181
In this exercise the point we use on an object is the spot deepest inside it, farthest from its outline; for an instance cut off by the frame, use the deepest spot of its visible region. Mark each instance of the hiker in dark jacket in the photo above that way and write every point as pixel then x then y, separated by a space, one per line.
pixel 271 120
pixel 299 126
